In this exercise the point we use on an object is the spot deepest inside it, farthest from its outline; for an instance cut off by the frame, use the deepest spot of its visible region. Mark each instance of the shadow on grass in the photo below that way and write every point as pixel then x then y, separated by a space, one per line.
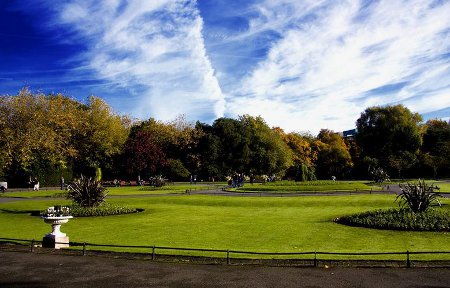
pixel 31 212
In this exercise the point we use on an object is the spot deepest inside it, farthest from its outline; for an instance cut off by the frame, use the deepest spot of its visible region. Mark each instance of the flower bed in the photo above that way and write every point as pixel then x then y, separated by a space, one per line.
pixel 400 219
pixel 102 210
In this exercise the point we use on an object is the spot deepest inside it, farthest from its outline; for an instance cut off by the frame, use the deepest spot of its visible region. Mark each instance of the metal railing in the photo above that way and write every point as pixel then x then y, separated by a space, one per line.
pixel 227 253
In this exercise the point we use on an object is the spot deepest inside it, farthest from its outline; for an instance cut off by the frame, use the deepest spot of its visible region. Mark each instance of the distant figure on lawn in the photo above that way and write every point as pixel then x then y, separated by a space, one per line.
pixel 35 184
pixel 62 183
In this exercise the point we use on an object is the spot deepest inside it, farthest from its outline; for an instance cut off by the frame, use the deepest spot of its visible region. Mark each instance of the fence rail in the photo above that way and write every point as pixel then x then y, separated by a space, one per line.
pixel 228 253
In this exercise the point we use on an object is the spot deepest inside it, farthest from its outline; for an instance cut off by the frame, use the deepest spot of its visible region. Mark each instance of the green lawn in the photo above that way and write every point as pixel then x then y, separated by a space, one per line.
pixel 179 188
pixel 34 194
pixel 443 186
pixel 264 224
pixel 309 186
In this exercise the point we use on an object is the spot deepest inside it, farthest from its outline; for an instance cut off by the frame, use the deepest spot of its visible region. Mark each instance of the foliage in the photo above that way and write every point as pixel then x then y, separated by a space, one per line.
pixel 379 175
pixel 268 153
pixel 334 157
pixel 56 211
pixel 400 219
pixel 303 153
pixel 49 136
pixel 102 136
pixel 104 209
pixel 86 192
pixel 386 132
pixel 143 154
pixel 98 174
pixel 176 170
pixel 307 186
pixel 305 173
pixel 436 146
pixel 418 197
pixel 403 160
pixel 158 181
pixel 247 145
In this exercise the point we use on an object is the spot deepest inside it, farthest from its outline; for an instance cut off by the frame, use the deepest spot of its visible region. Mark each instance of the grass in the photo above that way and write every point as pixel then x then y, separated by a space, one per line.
pixel 36 194
pixel 264 224
pixel 309 186
pixel 444 186
pixel 117 191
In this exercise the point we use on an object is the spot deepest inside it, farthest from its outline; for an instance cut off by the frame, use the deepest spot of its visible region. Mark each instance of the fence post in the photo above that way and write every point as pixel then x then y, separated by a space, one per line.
pixel 228 257
pixel 408 261
pixel 315 259
pixel 84 249
pixel 153 252
pixel 32 246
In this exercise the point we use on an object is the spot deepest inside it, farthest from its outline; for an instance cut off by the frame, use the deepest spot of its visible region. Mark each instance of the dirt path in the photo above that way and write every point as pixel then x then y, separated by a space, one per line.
pixel 19 269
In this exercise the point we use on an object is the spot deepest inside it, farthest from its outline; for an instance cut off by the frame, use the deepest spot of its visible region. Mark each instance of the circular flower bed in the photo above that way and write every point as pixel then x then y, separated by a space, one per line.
pixel 400 219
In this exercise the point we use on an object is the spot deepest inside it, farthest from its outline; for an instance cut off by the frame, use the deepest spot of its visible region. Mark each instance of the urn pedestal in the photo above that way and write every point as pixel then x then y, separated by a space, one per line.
pixel 56 239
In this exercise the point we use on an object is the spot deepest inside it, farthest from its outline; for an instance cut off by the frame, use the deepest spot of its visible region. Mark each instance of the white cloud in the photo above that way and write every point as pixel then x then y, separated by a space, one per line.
pixel 326 60
pixel 154 48
pixel 319 73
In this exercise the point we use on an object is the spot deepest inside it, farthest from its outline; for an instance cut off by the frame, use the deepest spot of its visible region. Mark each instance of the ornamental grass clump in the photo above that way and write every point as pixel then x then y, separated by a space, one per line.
pixel 418 197
pixel 86 192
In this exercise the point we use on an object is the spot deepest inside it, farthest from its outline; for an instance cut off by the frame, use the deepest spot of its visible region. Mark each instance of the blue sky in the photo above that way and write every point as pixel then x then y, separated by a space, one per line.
pixel 301 65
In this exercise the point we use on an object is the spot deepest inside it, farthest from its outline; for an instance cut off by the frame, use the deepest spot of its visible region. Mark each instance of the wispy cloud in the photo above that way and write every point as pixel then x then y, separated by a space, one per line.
pixel 302 65
pixel 154 49
pixel 333 53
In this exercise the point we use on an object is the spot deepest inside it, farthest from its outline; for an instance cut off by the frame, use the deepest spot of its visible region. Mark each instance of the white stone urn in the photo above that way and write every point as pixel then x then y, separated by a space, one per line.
pixel 56 239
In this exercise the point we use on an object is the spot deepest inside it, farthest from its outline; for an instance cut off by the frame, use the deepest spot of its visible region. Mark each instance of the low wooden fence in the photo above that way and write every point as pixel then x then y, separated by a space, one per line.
pixel 236 256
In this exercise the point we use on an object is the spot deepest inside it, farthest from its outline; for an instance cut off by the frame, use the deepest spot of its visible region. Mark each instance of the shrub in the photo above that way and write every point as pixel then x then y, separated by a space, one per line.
pixel 86 192
pixel 418 197
pixel 158 181
pixel 102 210
pixel 379 175
pixel 400 219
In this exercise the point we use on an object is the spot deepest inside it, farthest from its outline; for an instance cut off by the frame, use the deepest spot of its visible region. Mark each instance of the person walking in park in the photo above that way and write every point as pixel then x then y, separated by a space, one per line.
pixel 35 184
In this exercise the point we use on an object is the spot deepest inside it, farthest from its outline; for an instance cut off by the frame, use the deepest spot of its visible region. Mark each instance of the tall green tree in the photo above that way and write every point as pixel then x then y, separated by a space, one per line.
pixel 36 135
pixel 100 138
pixel 436 146
pixel 47 136
pixel 387 133
pixel 268 153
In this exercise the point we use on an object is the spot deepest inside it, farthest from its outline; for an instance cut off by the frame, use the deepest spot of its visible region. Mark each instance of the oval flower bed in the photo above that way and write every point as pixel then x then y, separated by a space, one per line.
pixel 400 219
pixel 102 210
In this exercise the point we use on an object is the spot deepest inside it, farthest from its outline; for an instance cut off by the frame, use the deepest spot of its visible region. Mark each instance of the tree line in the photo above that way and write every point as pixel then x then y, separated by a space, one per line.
pixel 52 136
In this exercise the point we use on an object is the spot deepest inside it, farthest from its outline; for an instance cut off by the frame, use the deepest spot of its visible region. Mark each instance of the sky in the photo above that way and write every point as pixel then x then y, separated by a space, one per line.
pixel 301 65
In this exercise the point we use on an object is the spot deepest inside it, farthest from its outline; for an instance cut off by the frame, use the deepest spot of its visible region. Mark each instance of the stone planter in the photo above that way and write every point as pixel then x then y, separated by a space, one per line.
pixel 56 239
